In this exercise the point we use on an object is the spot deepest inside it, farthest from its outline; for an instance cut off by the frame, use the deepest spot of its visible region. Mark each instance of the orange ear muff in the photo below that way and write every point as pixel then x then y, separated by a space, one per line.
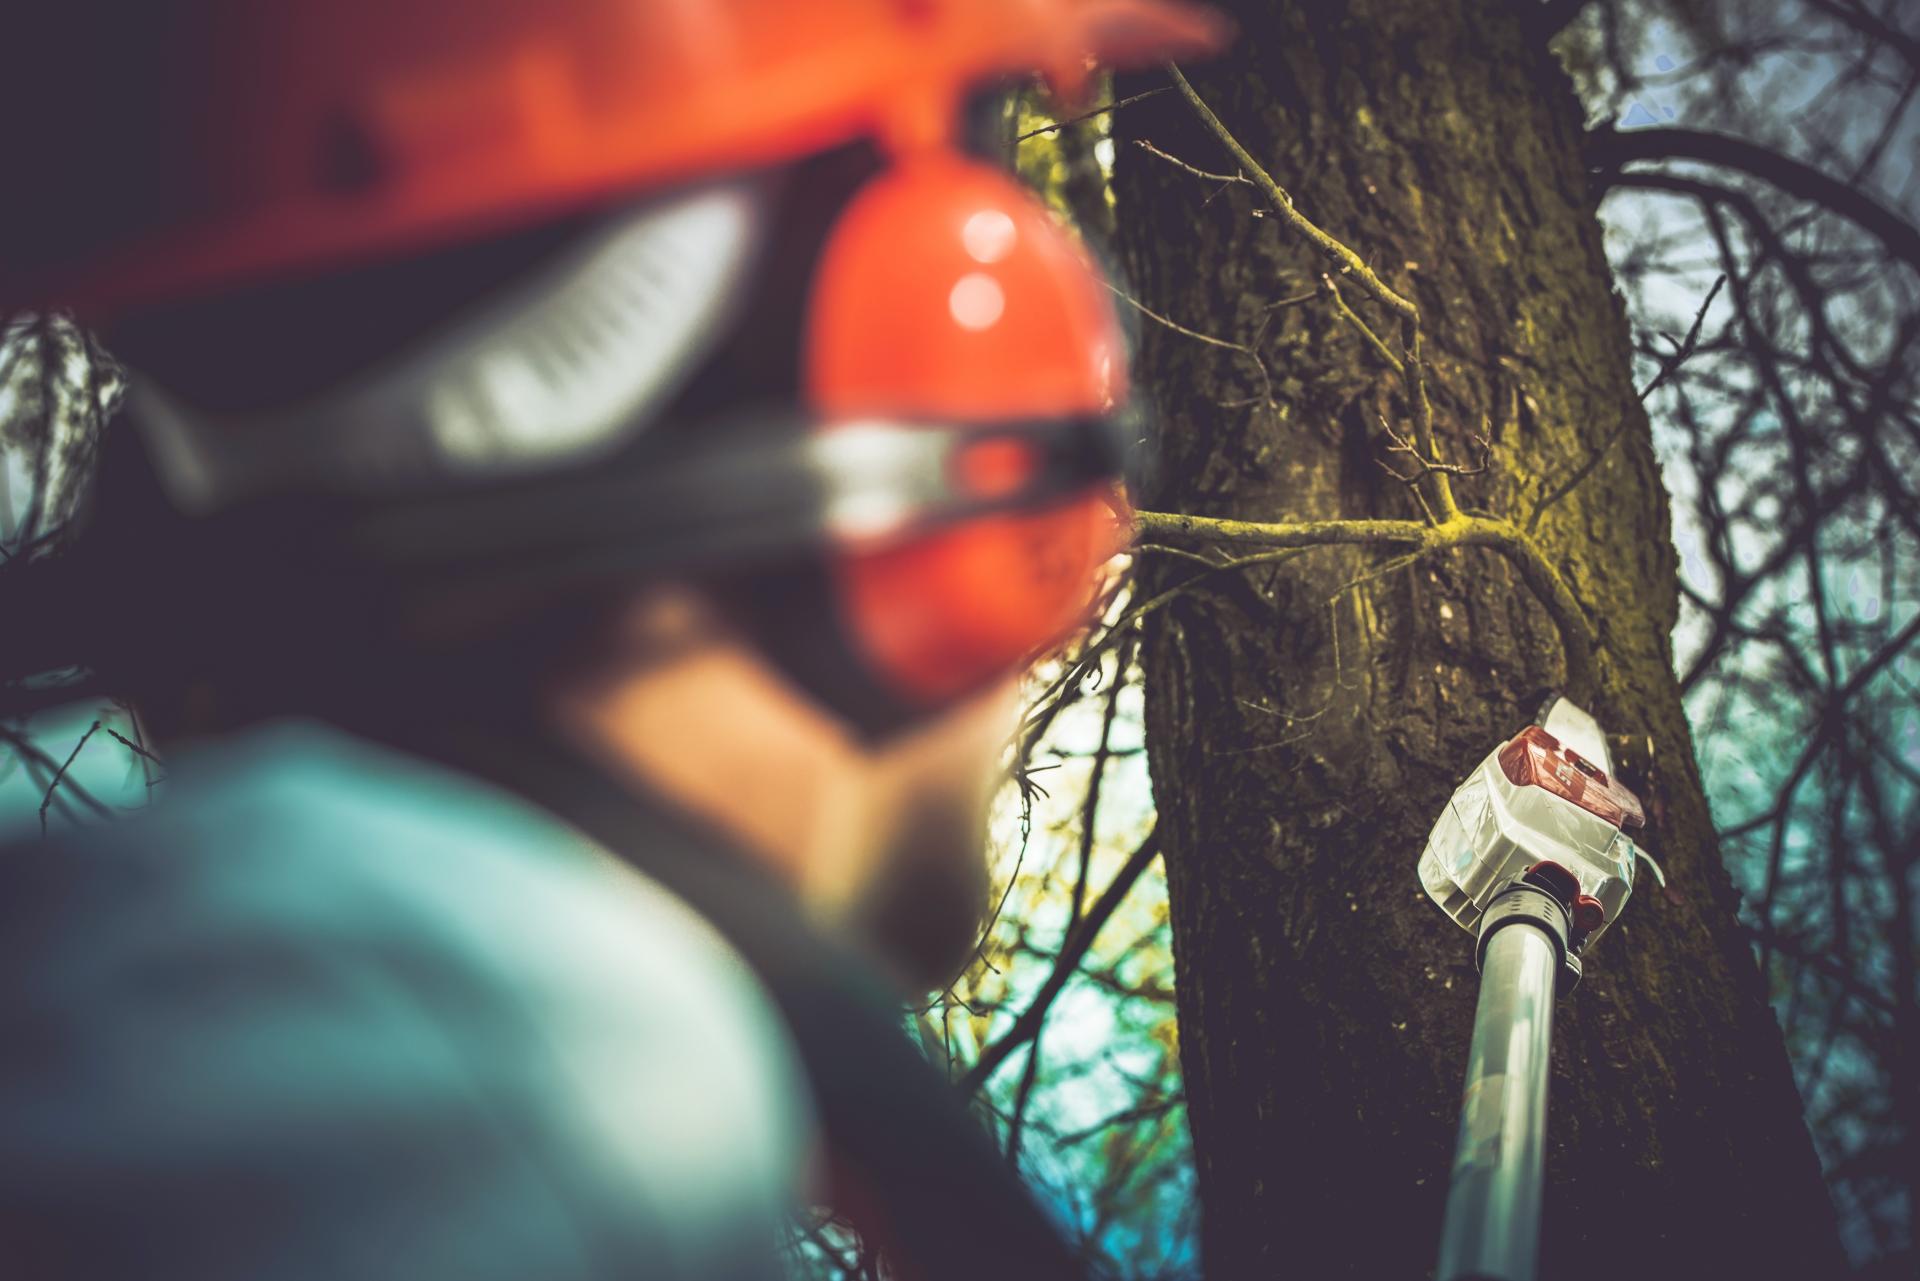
pixel 947 292
pixel 944 614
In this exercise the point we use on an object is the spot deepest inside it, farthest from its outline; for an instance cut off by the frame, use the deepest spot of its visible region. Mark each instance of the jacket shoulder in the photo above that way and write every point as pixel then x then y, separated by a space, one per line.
pixel 371 992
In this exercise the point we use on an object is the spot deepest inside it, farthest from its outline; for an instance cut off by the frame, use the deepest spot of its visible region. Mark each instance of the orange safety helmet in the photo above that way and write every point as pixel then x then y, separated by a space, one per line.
pixel 299 135
pixel 301 138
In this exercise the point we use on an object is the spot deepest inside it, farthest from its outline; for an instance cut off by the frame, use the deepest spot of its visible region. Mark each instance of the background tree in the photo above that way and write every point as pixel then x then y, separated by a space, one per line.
pixel 1307 719
pixel 1776 145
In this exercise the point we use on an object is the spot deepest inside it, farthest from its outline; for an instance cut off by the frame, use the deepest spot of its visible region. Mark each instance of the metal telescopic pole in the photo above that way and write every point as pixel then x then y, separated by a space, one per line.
pixel 1492 1228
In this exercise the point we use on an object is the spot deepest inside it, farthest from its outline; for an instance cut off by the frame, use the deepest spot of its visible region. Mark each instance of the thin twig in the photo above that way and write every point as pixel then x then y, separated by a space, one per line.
pixel 1196 171
pixel 1097 111
pixel 1424 466
pixel 1072 952
pixel 1411 364
pixel 1600 452
pixel 1266 378
pixel 47 800
pixel 1366 331
pixel 1282 203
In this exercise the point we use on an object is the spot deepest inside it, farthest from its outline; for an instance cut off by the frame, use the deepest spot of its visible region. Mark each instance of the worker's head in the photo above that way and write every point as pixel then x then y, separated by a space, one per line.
pixel 668 362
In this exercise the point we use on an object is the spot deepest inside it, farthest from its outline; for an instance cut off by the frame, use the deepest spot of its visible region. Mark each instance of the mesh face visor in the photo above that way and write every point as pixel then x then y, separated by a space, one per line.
pixel 560 369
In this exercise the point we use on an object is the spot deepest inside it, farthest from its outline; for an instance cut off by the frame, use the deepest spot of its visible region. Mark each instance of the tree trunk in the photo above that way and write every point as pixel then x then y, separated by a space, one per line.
pixel 1301 750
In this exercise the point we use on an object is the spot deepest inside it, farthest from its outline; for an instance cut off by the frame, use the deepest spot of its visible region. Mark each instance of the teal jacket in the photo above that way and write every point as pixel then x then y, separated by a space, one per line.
pixel 327 1011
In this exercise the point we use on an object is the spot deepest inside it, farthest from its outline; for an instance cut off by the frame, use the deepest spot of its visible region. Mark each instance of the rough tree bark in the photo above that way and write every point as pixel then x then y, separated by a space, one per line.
pixel 1301 750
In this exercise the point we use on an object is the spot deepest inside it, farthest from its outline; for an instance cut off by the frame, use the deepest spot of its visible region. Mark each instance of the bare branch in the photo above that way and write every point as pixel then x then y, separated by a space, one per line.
pixel 1072 952
pixel 1089 115
pixel 1611 149
pixel 47 800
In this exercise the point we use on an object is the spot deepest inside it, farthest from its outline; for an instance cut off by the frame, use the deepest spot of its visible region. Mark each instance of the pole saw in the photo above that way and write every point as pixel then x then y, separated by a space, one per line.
pixel 1533 856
